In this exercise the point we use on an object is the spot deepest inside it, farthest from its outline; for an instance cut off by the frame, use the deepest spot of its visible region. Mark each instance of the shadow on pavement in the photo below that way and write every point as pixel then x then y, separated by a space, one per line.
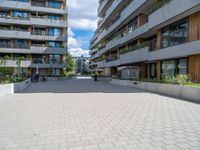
pixel 80 85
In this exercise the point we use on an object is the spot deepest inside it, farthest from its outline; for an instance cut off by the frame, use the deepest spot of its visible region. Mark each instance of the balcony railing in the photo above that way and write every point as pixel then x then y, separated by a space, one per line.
pixel 134 48
pixel 12 45
pixel 38 4
pixel 158 5
pixel 112 58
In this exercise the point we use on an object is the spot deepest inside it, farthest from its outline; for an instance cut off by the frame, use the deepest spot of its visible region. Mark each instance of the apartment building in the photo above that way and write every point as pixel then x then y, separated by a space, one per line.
pixel 35 30
pixel 147 38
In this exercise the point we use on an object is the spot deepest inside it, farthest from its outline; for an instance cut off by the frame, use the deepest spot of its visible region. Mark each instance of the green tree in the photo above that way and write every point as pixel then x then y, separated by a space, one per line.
pixel 18 63
pixel 3 60
pixel 70 62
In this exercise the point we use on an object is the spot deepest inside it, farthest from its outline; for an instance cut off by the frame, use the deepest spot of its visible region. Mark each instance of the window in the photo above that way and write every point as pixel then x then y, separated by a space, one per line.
pixel 4 13
pixel 54 59
pixel 175 34
pixel 132 25
pixel 21 43
pixel 182 66
pixel 4 43
pixel 54 4
pixel 54 44
pixel 21 0
pixel 57 59
pixel 153 70
pixel 54 17
pixel 56 72
pixel 168 67
pixel 20 14
pixel 174 67
pixel 54 31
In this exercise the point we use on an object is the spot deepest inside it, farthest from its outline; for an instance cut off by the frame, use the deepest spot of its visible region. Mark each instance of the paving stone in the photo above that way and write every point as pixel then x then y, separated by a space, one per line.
pixel 86 115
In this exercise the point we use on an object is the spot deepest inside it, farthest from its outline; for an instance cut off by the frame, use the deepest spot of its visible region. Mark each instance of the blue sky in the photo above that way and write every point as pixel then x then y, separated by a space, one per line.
pixel 84 36
pixel 82 24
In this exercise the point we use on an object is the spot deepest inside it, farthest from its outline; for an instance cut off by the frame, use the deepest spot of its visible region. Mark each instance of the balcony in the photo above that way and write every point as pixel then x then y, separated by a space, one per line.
pixel 129 36
pixel 113 6
pixel 49 22
pixel 35 6
pixel 14 4
pixel 14 34
pixel 39 65
pixel 102 6
pixel 177 51
pixel 173 11
pixel 101 64
pixel 44 36
pixel 14 20
pixel 47 50
pixel 10 48
pixel 130 9
pixel 112 63
pixel 136 55
pixel 13 63
pixel 92 51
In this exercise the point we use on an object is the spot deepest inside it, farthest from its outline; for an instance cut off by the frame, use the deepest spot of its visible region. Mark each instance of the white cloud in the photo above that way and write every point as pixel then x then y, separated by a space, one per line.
pixel 77 52
pixel 82 16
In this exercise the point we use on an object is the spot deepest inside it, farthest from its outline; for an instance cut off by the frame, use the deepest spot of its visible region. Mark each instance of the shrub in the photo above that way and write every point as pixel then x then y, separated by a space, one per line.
pixel 182 79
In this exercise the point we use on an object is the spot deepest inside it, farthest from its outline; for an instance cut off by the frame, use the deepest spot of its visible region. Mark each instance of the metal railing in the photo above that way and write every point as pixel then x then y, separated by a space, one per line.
pixel 12 45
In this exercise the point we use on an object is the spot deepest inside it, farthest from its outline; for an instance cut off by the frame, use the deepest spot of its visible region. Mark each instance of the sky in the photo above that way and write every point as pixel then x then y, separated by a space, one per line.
pixel 82 24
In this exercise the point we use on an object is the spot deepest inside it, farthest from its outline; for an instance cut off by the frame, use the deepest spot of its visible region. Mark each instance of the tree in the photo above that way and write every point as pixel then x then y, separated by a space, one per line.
pixel 19 62
pixel 3 61
pixel 70 62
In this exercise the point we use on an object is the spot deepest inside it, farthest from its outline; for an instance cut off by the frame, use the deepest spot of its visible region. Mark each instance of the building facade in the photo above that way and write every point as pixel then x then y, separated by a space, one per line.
pixel 36 31
pixel 82 65
pixel 147 38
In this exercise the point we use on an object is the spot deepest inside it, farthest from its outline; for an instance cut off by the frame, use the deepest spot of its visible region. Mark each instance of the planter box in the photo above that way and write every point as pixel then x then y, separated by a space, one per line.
pixel 192 93
pixel 57 78
pixel 12 88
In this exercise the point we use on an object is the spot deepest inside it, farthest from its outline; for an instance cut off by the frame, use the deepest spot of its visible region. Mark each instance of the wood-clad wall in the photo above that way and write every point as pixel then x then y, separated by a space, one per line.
pixel 159 36
pixel 194 67
pixel 142 70
pixel 158 70
pixel 194 27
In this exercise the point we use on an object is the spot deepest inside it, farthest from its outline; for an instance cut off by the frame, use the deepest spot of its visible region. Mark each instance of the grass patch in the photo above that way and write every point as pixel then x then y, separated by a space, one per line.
pixel 195 84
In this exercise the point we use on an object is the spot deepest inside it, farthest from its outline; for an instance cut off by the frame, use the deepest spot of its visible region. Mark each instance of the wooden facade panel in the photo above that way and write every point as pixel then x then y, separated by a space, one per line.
pixel 194 27
pixel 158 45
pixel 142 70
pixel 194 67
pixel 158 70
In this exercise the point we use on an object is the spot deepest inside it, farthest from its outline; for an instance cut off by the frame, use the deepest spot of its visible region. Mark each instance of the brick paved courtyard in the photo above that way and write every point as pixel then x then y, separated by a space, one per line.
pixel 84 115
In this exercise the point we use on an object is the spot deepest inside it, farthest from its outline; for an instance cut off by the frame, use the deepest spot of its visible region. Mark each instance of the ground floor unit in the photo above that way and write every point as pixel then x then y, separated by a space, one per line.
pixel 189 65
pixel 30 64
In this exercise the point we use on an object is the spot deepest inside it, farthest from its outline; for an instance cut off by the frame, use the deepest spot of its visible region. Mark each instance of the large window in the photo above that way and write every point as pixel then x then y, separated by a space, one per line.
pixel 54 4
pixel 18 43
pixel 54 31
pixel 182 66
pixel 54 17
pixel 20 14
pixel 175 34
pixel 54 59
pixel 152 70
pixel 174 67
pixel 54 44
pixel 4 13
pixel 168 67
